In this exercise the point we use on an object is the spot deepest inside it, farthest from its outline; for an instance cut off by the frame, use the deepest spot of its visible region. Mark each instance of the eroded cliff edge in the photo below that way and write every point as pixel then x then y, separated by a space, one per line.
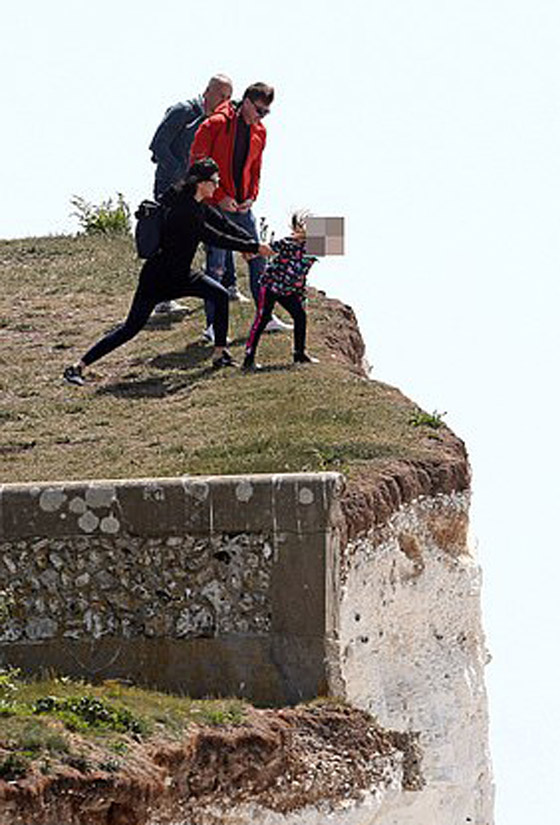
pixel 393 589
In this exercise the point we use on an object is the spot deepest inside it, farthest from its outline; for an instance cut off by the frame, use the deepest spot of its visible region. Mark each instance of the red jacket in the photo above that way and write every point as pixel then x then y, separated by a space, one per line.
pixel 215 139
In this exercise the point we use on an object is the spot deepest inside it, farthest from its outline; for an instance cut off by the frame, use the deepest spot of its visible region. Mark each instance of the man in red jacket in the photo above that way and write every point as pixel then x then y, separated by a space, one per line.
pixel 235 137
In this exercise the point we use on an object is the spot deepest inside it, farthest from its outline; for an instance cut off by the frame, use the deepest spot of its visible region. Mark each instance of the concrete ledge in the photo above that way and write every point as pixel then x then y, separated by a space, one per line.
pixel 291 503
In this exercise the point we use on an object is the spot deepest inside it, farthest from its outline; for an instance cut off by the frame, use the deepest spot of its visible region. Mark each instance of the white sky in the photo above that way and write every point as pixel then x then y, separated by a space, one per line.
pixel 433 126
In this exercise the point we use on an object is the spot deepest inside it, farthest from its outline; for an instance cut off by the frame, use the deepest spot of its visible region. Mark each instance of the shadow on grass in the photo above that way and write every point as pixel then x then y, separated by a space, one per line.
pixel 156 386
pixel 194 360
pixel 151 387
pixel 193 355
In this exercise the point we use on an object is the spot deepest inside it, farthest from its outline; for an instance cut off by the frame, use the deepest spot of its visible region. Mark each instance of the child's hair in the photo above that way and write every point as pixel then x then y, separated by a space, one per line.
pixel 299 219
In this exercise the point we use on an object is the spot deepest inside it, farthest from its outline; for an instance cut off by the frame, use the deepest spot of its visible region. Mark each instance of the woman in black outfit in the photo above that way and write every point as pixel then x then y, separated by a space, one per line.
pixel 167 275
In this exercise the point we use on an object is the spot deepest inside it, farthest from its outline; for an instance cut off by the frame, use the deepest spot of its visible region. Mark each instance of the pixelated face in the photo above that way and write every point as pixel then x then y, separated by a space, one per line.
pixel 325 236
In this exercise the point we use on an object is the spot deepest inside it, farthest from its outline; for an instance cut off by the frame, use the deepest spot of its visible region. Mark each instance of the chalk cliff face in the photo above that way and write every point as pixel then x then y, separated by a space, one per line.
pixel 413 654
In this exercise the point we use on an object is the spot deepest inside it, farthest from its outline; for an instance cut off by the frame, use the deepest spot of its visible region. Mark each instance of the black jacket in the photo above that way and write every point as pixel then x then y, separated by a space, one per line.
pixel 187 223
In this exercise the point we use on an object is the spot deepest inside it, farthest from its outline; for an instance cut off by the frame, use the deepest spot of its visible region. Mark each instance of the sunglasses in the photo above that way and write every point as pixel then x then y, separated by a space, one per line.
pixel 262 111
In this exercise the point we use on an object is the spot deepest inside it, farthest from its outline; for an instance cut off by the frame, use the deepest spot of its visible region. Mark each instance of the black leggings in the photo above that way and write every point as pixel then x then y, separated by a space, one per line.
pixel 145 299
pixel 292 304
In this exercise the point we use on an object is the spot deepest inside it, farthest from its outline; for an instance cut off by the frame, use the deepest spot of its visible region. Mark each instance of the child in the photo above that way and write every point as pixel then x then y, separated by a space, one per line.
pixel 284 280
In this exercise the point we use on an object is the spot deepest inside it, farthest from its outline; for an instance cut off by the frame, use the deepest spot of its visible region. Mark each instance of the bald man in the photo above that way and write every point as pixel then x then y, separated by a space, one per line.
pixel 172 141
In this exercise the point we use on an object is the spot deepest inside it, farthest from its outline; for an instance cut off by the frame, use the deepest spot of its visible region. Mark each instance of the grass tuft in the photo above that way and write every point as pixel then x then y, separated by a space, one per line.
pixel 56 721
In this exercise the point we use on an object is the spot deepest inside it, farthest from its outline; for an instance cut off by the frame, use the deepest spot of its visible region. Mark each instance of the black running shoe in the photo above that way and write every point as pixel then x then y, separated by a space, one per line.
pixel 304 358
pixel 249 364
pixel 224 360
pixel 73 375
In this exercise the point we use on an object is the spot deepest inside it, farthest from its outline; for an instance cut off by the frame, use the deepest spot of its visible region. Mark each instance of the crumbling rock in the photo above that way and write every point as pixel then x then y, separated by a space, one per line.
pixel 281 760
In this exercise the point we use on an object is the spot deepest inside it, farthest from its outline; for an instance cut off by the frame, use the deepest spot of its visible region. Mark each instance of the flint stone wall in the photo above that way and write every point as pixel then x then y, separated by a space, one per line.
pixel 217 585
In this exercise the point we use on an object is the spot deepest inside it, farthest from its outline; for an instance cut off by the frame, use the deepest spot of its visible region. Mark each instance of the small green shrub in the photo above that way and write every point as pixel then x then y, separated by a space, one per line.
pixel 79 762
pixel 9 707
pixel 109 218
pixel 14 766
pixel 84 712
pixel 8 676
pixel 230 712
pixel 422 419
pixel 110 766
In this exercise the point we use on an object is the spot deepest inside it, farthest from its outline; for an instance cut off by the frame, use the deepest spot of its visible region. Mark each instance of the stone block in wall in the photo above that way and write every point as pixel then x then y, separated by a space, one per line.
pixel 62 509
pixel 287 503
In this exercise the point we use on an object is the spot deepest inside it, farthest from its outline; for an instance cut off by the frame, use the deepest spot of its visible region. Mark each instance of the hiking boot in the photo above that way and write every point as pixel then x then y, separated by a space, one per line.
pixel 304 358
pixel 277 325
pixel 224 360
pixel 73 375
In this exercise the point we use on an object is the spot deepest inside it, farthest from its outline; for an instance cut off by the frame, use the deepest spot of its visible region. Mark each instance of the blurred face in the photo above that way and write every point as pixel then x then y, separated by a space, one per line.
pixel 215 94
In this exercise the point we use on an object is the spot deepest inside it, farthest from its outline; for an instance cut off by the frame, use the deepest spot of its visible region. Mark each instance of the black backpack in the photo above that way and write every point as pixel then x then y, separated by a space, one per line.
pixel 150 217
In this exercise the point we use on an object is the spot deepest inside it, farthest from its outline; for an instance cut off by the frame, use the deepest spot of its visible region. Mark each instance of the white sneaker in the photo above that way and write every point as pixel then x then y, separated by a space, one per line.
pixel 208 334
pixel 276 325
pixel 165 307
pixel 236 295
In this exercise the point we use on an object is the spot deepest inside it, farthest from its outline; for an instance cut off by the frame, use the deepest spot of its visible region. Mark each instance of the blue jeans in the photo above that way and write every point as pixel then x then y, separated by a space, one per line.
pixel 221 270
pixel 217 261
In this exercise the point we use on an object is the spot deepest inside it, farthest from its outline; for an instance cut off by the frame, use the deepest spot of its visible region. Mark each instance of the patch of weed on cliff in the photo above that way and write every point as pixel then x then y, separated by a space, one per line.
pixel 57 723
pixel 88 712
pixel 419 418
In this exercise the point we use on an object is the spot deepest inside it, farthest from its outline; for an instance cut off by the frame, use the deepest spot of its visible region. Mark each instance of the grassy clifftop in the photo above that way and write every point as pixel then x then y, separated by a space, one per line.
pixel 155 407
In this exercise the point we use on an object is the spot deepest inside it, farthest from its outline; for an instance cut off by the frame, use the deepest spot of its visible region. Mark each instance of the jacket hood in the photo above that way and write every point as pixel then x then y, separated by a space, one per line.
pixel 227 108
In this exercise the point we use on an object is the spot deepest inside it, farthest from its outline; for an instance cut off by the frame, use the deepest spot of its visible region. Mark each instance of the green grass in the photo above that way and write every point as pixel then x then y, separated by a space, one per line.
pixel 155 407
pixel 56 721
pixel 434 420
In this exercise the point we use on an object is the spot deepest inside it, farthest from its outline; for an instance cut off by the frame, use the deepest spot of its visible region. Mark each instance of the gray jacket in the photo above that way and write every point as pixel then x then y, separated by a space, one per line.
pixel 171 143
